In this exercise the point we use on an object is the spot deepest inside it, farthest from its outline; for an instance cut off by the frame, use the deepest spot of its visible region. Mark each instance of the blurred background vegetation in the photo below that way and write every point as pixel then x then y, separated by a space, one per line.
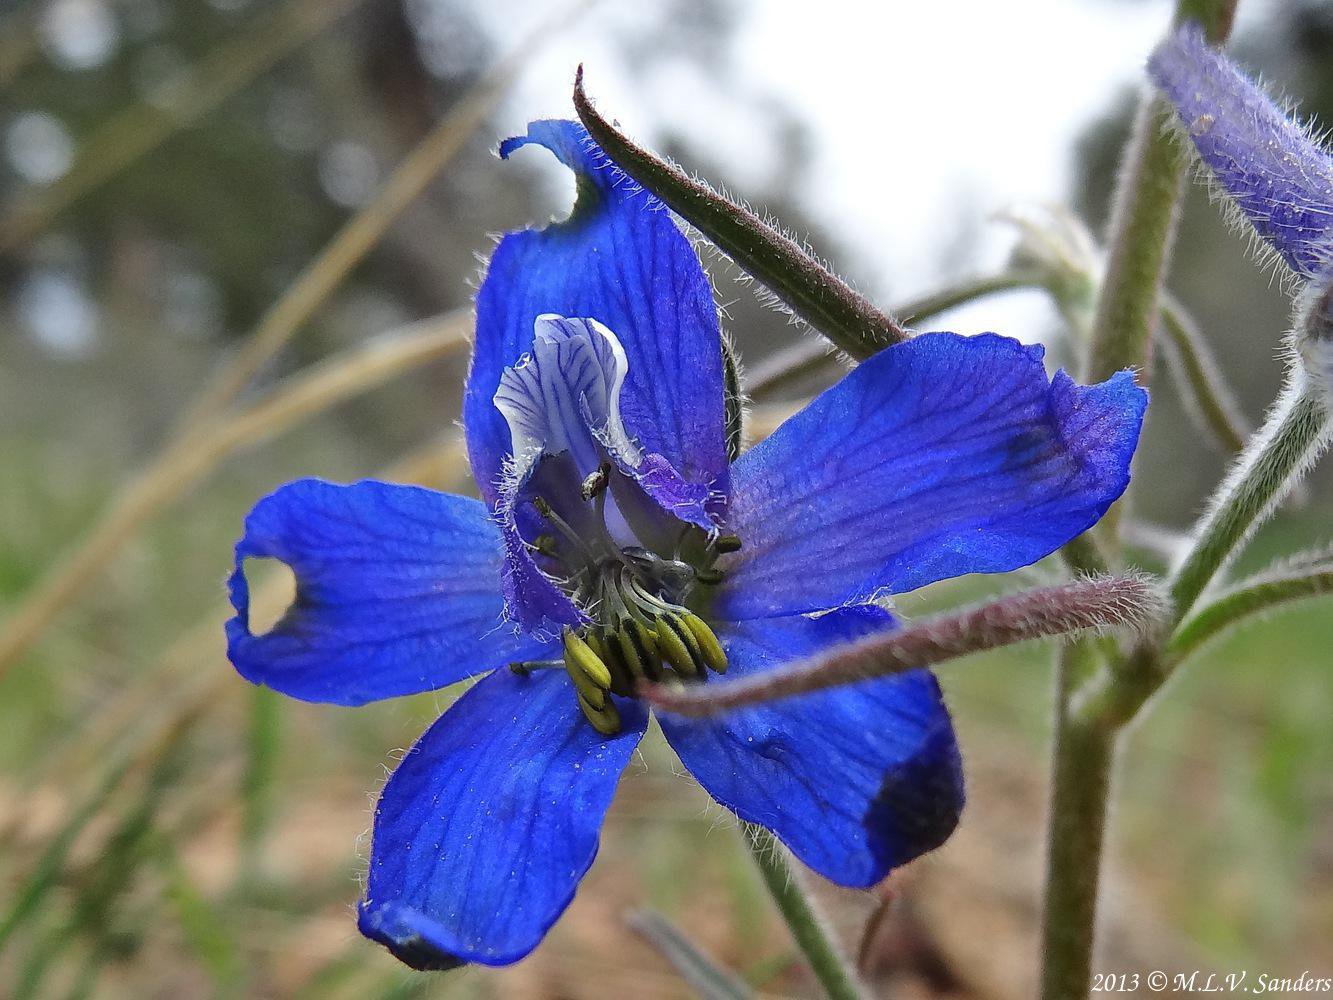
pixel 170 169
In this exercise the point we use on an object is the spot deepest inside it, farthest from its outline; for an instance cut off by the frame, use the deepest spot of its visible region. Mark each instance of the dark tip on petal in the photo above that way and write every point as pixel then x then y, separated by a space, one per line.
pixel 919 804
pixel 388 926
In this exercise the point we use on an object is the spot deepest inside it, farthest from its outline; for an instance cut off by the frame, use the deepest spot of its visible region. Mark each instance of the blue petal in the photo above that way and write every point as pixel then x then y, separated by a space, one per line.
pixel 398 591
pixel 938 457
pixel 1279 177
pixel 619 259
pixel 485 829
pixel 856 780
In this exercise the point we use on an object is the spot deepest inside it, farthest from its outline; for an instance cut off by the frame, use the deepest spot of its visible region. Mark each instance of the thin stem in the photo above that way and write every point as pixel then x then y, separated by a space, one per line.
pixel 1201 379
pixel 706 977
pixel 261 760
pixel 808 927
pixel 934 303
pixel 181 466
pixel 1293 436
pixel 809 358
pixel 1109 602
pixel 1080 786
pixel 1296 432
pixel 779 263
pixel 1140 236
pixel 1247 599
pixel 137 131
pixel 1143 228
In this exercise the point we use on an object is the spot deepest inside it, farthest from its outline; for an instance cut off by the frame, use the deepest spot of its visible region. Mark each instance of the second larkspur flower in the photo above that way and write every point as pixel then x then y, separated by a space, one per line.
pixel 615 541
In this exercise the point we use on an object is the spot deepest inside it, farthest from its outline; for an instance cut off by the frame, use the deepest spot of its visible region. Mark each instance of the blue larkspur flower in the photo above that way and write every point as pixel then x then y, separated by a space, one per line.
pixel 615 540
pixel 1277 175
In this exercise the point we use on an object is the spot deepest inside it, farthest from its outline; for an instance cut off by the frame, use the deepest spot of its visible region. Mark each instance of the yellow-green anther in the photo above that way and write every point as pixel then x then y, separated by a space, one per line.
pixel 638 649
pixel 588 691
pixel 596 643
pixel 726 543
pixel 629 655
pixel 673 648
pixel 606 720
pixel 608 650
pixel 712 650
pixel 581 659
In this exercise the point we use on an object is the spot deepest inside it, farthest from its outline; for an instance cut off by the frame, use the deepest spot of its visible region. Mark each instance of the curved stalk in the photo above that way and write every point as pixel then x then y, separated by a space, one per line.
pixel 807 925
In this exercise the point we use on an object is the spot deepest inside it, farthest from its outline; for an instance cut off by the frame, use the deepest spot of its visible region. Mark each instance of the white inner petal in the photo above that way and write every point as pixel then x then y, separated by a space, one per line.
pixel 564 395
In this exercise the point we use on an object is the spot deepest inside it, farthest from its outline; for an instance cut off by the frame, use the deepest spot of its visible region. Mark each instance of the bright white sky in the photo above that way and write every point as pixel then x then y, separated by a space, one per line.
pixel 929 117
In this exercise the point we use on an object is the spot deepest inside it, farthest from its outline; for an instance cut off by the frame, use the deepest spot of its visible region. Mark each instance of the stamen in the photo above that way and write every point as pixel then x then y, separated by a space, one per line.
pixel 674 642
pixel 525 667
pixel 544 545
pixel 723 544
pixel 596 482
pixel 584 661
pixel 592 681
pixel 606 720
pixel 608 651
pixel 544 508
pixel 637 651
pixel 714 655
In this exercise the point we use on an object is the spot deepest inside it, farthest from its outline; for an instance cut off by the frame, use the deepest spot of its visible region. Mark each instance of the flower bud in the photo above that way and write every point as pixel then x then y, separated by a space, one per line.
pixel 1277 175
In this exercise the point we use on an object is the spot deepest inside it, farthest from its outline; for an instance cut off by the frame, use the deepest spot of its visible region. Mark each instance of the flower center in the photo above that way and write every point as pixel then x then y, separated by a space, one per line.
pixel 578 493
pixel 636 599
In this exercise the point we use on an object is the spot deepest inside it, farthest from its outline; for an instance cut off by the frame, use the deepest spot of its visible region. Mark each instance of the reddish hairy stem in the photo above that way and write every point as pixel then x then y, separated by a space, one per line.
pixel 1104 602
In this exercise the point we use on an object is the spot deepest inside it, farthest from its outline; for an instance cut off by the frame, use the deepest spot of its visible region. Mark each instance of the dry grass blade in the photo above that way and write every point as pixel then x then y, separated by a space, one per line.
pixel 142 128
pixel 189 675
pixel 158 482
pixel 183 466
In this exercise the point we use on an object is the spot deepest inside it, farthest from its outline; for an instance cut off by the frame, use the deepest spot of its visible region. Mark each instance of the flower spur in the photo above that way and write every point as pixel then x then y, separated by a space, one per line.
pixel 615 540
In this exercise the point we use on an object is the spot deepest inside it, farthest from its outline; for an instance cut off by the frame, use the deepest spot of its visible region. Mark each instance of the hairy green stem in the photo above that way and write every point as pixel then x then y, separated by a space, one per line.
pixel 1246 599
pixel 1200 377
pixel 807 925
pixel 1142 229
pixel 1080 783
pixel 809 358
pixel 1128 602
pixel 791 272
pixel 1294 434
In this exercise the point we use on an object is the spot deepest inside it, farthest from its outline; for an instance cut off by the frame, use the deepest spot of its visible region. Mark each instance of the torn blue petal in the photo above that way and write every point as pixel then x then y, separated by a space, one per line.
pixel 485 829
pixel 1279 178
pixel 938 457
pixel 856 780
pixel 398 591
pixel 619 260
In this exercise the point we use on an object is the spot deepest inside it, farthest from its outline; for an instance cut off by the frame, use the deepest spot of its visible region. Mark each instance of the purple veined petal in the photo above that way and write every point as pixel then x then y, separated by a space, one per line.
pixel 398 591
pixel 564 396
pixel 1277 176
pixel 855 780
pixel 938 457
pixel 562 406
pixel 619 260
pixel 487 826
